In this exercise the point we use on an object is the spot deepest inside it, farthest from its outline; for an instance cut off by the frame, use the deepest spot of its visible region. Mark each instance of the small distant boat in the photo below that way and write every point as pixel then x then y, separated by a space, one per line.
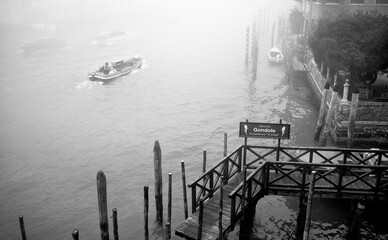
pixel 111 37
pixel 116 69
pixel 275 55
pixel 43 44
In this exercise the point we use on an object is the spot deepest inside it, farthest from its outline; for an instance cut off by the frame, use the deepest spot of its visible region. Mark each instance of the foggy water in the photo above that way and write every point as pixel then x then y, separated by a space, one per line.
pixel 58 129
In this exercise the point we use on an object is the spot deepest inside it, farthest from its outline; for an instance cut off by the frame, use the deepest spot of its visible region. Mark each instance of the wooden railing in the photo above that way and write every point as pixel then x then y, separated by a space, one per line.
pixel 338 171
pixel 340 179
pixel 209 182
pixel 254 189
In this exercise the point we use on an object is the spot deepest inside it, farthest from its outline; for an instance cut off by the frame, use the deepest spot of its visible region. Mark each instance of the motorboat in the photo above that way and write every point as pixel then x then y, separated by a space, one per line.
pixel 116 69
pixel 275 55
pixel 43 44
pixel 111 37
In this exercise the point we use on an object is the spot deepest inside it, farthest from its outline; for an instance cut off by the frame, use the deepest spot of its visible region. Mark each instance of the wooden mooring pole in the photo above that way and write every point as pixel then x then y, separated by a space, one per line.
pixel 254 61
pixel 115 225
pixel 169 203
pixel 158 182
pixel 168 227
pixel 352 118
pixel 22 229
pixel 309 206
pixel 184 190
pixel 146 236
pixel 75 234
pixel 322 111
pixel 247 47
pixel 102 205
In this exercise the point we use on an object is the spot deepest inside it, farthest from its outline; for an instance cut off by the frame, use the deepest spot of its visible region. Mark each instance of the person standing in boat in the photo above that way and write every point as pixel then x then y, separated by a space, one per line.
pixel 106 69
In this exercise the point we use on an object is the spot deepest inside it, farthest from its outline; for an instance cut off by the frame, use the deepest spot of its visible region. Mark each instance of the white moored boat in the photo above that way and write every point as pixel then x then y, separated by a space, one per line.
pixel 275 55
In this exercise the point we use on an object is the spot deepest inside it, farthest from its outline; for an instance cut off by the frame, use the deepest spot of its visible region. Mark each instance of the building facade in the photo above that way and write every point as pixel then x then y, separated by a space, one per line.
pixel 316 9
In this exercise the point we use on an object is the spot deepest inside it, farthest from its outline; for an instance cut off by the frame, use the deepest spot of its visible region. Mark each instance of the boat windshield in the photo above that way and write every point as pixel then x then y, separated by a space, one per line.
pixel 274 54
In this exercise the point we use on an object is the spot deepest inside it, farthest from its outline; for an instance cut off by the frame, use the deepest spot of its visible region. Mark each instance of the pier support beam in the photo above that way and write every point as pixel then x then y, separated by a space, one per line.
pixel 301 219
pixel 354 228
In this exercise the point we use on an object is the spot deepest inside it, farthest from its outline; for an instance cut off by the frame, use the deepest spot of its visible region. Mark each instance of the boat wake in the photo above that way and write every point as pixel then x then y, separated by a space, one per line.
pixel 87 84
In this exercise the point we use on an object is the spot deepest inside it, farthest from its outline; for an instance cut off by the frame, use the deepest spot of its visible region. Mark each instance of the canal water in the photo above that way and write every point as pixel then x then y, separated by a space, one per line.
pixel 58 129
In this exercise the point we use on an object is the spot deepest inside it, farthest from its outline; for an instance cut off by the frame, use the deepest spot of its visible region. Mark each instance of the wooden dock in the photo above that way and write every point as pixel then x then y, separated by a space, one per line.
pixel 189 228
pixel 298 66
pixel 281 171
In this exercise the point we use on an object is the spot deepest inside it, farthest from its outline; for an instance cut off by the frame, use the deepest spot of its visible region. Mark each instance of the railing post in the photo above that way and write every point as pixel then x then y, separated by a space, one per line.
pixel 200 219
pixel 377 186
pixel 211 183
pixel 303 181
pixel 225 144
pixel 242 220
pixel 380 154
pixel 193 198
pixel 264 178
pixel 345 157
pixel 226 170
pixel 278 148
pixel 240 152
pixel 232 212
pixel 203 171
pixel 311 158
pixel 267 170
pixel 340 176
pixel 220 235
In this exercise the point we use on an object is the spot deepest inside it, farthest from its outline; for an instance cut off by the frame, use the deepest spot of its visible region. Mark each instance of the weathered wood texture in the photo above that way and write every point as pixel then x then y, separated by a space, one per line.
pixel 102 205
pixel 298 66
pixel 210 225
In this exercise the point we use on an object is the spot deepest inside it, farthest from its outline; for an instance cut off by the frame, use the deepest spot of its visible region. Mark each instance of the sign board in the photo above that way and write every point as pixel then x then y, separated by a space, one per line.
pixel 265 130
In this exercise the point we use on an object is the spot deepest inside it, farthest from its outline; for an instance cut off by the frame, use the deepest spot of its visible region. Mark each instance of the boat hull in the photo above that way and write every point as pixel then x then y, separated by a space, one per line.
pixel 100 76
pixel 275 55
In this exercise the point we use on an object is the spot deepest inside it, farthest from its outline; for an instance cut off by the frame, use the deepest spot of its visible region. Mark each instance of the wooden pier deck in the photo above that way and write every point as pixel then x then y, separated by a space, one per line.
pixel 189 228
pixel 280 171
pixel 298 66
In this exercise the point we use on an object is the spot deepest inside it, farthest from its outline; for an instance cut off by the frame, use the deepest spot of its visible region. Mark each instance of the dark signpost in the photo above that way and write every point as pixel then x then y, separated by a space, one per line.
pixel 264 130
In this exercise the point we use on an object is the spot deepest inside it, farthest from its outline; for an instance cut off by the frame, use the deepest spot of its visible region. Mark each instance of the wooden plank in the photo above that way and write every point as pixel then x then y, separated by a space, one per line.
pixel 189 228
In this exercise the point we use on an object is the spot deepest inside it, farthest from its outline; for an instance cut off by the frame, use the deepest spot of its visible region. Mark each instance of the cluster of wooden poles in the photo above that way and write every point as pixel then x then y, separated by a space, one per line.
pixel 103 203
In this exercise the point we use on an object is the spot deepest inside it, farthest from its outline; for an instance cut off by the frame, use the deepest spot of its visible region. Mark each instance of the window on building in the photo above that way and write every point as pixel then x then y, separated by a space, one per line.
pixel 357 1
pixel 382 2
pixel 329 1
